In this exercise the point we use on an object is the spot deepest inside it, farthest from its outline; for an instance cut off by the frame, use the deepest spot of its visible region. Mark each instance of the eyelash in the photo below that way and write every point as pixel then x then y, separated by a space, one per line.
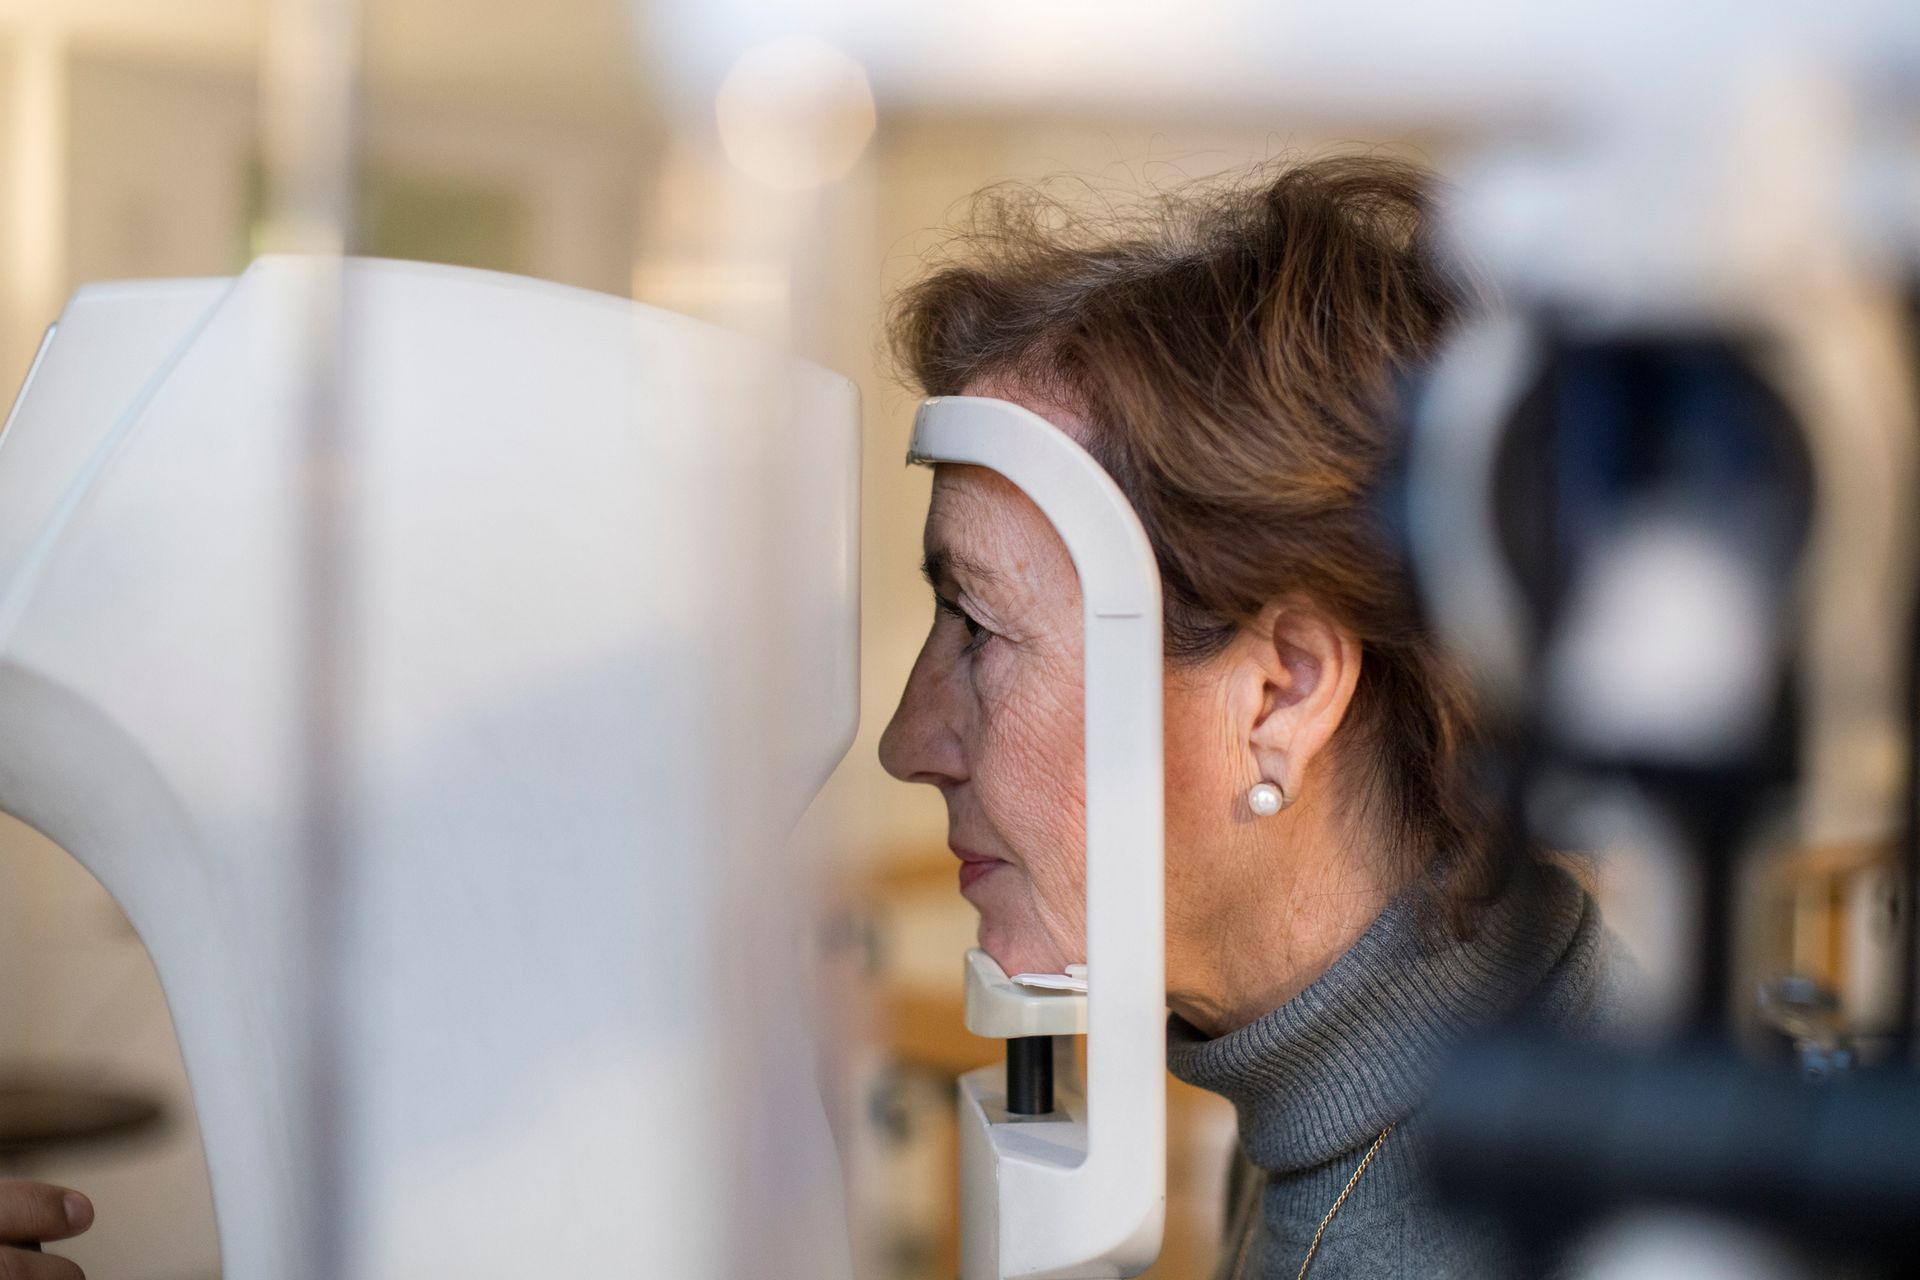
pixel 977 634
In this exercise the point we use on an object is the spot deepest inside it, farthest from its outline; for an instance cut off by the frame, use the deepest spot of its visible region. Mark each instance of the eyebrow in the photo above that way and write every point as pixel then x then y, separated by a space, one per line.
pixel 944 564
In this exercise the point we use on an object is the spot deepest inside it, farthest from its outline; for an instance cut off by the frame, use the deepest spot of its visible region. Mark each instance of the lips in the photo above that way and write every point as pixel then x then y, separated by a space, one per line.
pixel 973 866
pixel 973 871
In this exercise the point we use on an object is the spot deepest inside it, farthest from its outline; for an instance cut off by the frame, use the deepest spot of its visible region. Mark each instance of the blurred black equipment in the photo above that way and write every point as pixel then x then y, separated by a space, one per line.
pixel 1652 509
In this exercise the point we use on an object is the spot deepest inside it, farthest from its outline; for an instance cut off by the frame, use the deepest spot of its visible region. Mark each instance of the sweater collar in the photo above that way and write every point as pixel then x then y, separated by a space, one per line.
pixel 1358 1049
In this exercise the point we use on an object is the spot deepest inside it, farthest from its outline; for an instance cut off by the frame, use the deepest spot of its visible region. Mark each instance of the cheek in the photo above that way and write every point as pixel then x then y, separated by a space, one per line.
pixel 1198 760
pixel 1201 803
pixel 1029 774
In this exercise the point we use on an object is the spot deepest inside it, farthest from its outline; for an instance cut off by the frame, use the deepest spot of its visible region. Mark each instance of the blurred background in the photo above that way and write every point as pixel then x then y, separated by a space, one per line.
pixel 640 154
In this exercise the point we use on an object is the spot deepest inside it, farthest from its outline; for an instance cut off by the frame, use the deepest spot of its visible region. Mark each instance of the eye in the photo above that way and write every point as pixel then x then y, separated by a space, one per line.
pixel 977 634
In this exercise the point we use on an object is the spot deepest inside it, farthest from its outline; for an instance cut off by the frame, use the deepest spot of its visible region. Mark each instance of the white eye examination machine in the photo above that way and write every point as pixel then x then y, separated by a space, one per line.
pixel 595 617
pixel 555 675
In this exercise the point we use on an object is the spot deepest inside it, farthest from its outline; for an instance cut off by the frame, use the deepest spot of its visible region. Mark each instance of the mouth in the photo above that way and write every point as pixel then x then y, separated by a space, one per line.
pixel 975 866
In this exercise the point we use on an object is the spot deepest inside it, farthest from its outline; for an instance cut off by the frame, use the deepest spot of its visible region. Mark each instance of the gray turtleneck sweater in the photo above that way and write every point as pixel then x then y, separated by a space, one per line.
pixel 1316 1080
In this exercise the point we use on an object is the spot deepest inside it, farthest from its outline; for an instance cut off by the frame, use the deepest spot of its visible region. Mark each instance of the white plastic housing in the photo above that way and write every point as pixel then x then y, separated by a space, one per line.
pixel 1083 1197
pixel 556 581
pixel 998 1008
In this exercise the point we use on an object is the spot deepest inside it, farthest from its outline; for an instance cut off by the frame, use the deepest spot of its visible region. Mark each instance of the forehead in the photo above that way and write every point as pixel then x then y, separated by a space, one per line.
pixel 975 507
pixel 963 494
pixel 978 515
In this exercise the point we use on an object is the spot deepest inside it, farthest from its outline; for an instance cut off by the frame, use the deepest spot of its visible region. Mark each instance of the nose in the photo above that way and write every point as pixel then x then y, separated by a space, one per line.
pixel 921 743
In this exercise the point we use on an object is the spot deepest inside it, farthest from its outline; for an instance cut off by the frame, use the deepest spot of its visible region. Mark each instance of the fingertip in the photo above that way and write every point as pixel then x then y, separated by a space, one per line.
pixel 79 1210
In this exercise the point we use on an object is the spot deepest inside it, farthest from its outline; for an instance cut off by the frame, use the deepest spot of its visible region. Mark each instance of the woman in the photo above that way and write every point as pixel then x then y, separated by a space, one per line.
pixel 1337 916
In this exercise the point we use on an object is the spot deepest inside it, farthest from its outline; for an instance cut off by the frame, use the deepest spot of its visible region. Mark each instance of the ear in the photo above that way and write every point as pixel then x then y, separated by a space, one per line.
pixel 1306 667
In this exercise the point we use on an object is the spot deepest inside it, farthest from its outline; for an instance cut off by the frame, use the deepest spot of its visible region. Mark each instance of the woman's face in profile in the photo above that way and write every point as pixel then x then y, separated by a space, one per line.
pixel 992 715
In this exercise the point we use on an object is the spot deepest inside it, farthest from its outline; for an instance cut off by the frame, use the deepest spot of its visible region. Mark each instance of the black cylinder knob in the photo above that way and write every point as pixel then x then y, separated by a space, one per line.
pixel 1030 1075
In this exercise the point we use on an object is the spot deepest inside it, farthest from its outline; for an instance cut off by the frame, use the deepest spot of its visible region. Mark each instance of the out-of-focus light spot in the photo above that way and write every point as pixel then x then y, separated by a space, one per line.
pixel 795 113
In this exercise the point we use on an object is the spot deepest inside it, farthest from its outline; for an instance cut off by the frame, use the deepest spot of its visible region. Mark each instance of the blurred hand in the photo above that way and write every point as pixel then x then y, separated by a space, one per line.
pixel 31 1212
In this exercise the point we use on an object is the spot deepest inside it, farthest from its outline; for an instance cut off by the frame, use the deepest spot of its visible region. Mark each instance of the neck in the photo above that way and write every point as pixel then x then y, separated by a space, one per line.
pixel 1320 1075
pixel 1307 886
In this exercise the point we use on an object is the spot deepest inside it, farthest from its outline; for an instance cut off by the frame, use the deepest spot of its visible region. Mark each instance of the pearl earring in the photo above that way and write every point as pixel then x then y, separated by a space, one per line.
pixel 1265 799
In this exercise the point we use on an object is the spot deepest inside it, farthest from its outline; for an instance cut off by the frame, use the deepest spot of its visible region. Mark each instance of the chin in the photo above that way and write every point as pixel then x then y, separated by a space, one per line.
pixel 1016 949
pixel 1010 924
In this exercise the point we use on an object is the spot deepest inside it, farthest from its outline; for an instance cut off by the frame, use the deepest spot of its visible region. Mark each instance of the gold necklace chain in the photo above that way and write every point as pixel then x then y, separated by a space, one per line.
pixel 1352 1182
pixel 1248 1214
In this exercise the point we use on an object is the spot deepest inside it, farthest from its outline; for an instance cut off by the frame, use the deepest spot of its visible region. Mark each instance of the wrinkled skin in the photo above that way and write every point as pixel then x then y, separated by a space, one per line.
pixel 992 716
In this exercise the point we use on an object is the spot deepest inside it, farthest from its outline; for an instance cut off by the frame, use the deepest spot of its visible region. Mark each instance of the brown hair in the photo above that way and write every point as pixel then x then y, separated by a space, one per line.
pixel 1234 347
